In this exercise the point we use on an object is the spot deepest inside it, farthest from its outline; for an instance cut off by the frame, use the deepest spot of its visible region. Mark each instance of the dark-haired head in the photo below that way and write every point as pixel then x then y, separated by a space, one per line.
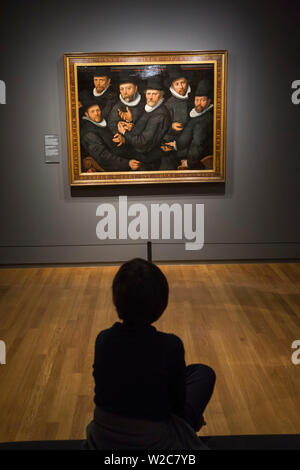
pixel 140 292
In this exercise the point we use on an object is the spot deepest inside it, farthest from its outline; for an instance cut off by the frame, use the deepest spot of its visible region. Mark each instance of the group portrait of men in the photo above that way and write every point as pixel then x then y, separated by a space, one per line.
pixel 158 123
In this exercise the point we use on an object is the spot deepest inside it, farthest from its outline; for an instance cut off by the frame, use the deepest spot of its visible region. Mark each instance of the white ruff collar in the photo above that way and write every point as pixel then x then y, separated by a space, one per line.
pixel 149 109
pixel 194 113
pixel 102 92
pixel 133 102
pixel 177 95
pixel 103 123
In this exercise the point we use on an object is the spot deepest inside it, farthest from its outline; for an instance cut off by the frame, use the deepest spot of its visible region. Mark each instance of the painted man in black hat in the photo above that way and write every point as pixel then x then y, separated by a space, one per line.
pixel 100 92
pixel 179 105
pixel 130 105
pixel 196 140
pixel 146 135
pixel 97 142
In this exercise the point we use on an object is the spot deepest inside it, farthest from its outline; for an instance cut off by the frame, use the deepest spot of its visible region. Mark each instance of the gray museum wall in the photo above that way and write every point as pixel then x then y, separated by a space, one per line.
pixel 254 215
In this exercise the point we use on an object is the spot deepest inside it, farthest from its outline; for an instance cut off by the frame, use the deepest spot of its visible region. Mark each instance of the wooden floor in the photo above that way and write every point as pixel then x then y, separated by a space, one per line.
pixel 239 318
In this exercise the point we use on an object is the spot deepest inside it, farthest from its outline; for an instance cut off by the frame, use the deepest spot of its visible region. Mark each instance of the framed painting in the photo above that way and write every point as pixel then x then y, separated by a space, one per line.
pixel 146 117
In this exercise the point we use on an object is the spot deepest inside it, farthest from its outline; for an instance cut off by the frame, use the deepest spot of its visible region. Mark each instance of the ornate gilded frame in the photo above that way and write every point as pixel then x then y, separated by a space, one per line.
pixel 217 60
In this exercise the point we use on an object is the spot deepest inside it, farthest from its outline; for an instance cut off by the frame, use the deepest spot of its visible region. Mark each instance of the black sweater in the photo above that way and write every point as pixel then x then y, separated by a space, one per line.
pixel 197 139
pixel 97 143
pixel 139 372
pixel 147 135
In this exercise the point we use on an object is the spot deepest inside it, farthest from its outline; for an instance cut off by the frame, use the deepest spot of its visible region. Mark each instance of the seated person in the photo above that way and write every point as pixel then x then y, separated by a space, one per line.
pixel 146 135
pixel 196 140
pixel 97 142
pixel 179 105
pixel 145 395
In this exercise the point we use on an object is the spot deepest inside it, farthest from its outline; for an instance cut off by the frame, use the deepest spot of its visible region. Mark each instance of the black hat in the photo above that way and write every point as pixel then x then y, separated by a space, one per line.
pixel 154 83
pixel 175 72
pixel 88 105
pixel 204 88
pixel 100 72
pixel 126 77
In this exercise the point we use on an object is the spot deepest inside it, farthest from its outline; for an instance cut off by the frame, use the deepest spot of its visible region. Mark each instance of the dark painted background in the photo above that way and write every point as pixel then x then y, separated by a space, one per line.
pixel 255 215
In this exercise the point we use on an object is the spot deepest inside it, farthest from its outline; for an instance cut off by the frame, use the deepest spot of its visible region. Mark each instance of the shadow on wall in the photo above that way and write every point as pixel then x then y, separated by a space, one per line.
pixel 150 190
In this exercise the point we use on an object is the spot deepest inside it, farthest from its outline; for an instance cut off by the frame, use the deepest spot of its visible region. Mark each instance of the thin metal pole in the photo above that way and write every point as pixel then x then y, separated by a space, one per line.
pixel 149 252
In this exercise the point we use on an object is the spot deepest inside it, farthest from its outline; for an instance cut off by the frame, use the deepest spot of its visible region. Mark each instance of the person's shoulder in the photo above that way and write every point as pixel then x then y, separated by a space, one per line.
pixel 162 112
pixel 163 108
pixel 86 127
pixel 107 332
pixel 171 339
pixel 204 119
pixel 171 100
